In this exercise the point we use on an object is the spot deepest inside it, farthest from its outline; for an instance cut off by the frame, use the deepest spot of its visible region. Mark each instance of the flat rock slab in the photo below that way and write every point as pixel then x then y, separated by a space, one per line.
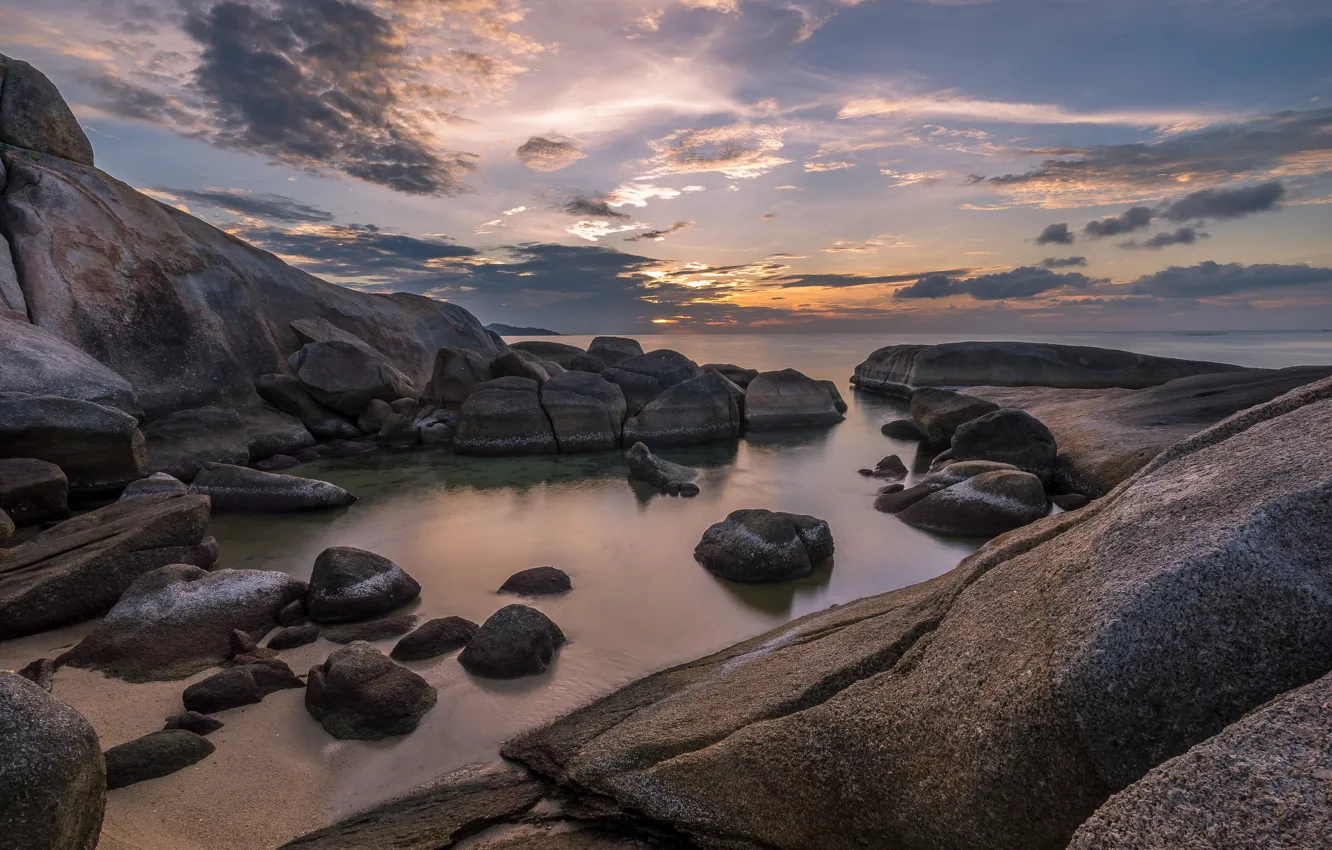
pixel 663 474
pixel 237 489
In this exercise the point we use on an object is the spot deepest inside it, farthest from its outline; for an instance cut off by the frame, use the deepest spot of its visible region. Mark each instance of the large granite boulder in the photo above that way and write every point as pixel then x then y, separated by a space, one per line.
pixel 1008 436
pixel 239 489
pixel 504 417
pixel 178 620
pixel 665 366
pixel 612 349
pixel 33 491
pixel 519 364
pixel 37 362
pixel 586 412
pixel 587 363
pixel 789 398
pixel 985 505
pixel 939 413
pixel 697 410
pixel 897 369
pixel 514 641
pixel 456 372
pixel 1001 704
pixel 155 755
pixel 755 546
pixel 79 568
pixel 181 443
pixel 347 376
pixel 359 693
pixel 33 115
pixel 351 584
pixel 273 432
pixel 98 448
pixel 555 352
pixel 670 477
pixel 290 396
pixel 52 776
pixel 737 375
pixel 637 389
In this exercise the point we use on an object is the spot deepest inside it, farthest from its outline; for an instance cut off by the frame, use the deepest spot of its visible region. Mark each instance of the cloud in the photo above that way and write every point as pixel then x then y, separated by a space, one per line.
pixel 1023 282
pixel 637 193
pixel 583 205
pixel 1210 280
pixel 357 250
pixel 739 151
pixel 952 105
pixel 1056 234
pixel 241 203
pixel 930 286
pixel 659 235
pixel 594 231
pixel 1226 203
pixel 131 100
pixel 841 281
pixel 542 154
pixel 1063 262
pixel 847 246
pixel 1134 218
pixel 819 166
pixel 1164 239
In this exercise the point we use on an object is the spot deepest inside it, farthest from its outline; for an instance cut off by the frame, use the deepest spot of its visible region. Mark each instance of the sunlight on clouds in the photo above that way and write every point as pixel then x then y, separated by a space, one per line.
pixel 953 105
pixel 739 151
pixel 594 231
pixel 818 166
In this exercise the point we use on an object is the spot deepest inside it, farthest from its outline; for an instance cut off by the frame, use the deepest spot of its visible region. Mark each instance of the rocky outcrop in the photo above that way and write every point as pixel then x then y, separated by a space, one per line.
pixel 504 417
pixel 37 362
pixel 178 620
pixel 352 584
pixel 239 489
pixel 515 641
pixel 637 389
pixel 586 413
pixel 273 432
pixel 347 376
pixel 984 505
pixel 435 637
pixel 33 491
pixel 670 477
pixel 456 372
pixel 358 693
pixel 789 398
pixel 290 396
pixel 155 755
pixel 1008 436
pixel 33 115
pixel 754 546
pixel 937 414
pixel 52 776
pixel 737 375
pixel 898 369
pixel 612 349
pixel 98 448
pixel 181 443
pixel 79 568
pixel 555 352
pixel 696 410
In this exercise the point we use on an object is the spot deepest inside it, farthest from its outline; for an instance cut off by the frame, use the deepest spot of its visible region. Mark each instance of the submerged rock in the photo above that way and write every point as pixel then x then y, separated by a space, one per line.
pixel 761 546
pixel 670 477
pixel 352 584
pixel 504 417
pixel 155 755
pixel 358 693
pixel 696 410
pixel 902 429
pixel 242 490
pixel 98 448
pixel 538 581
pixel 33 491
pixel 789 398
pixel 515 641
pixel 435 637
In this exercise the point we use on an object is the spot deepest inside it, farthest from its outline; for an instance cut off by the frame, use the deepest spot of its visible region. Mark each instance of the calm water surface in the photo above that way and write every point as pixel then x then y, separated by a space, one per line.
pixel 640 603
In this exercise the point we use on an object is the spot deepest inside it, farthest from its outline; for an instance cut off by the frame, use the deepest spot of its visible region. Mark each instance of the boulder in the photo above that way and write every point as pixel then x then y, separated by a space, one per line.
pixel 243 684
pixel 737 375
pixel 242 490
pixel 294 636
pixel 754 546
pixel 346 376
pixel 1008 436
pixel 670 477
pixel 273 432
pixel 555 352
pixel 99 448
pixel 181 443
pixel 193 721
pixel 586 412
pixel 457 371
pixel 515 641
pixel 902 429
pixel 1070 501
pixel 33 115
pixel 637 389
pixel 33 491
pixel 290 396
pixel 789 398
pixel 986 505
pixel 436 434
pixel 35 361
pixel 900 498
pixel 435 637
pixel 838 401
pixel 52 776
pixel 155 484
pixel 381 629
pixel 665 366
pixel 938 413
pixel 79 568
pixel 897 369
pixel 512 364
pixel 155 755
pixel 890 467
pixel 698 410
pixel 612 349
pixel 7 527
pixel 178 620
pixel 360 694
pixel 352 584
pixel 276 463
pixel 377 415
pixel 293 614
pixel 587 363
pixel 504 417
pixel 537 581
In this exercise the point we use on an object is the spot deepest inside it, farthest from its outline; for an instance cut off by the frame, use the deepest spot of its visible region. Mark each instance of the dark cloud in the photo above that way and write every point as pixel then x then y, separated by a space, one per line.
pixel 541 154
pixel 845 280
pixel 597 207
pixel 658 235
pixel 1226 203
pixel 1063 262
pixel 1210 280
pixel 1055 234
pixel 131 100
pixel 1164 239
pixel 359 251
pixel 1134 218
pixel 263 206
pixel 930 286
pixel 1023 282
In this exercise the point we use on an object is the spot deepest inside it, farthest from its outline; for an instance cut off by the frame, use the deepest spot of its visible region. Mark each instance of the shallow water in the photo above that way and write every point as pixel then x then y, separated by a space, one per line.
pixel 640 603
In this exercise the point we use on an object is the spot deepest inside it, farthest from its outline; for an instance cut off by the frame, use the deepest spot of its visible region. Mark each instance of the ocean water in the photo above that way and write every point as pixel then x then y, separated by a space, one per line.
pixel 640 603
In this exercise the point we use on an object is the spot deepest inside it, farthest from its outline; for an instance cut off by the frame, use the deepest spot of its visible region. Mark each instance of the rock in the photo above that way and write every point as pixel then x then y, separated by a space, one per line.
pixel 382 629
pixel 587 363
pixel 698 410
pixel 984 506
pixel 938 413
pixel 352 584
pixel 612 349
pixel 538 581
pixel 35 361
pixel 52 776
pixel 1008 436
pixel 276 463
pixel 512 364
pixel 181 443
pixel 347 376
pixel 155 755
pixel 374 415
pixel 665 366
pixel 244 684
pixel 273 432
pixel 436 434
pixel 241 643
pixel 33 115
pixel 358 693
pixel 902 429
pixel 735 374
pixel 1071 501
pixel 98 448
pixel 645 466
pixel 897 369
pixel 79 568
pixel 7 527
pixel 890 467
pixel 754 546
pixel 41 672
pixel 353 449
pixel 555 352
pixel 294 636
pixel 435 637
pixel 242 490
pixel 504 417
pixel 290 396
pixel 153 485
pixel 901 498
pixel 33 491
pixel 838 401
pixel 457 371
pixel 177 620
pixel 193 721
pixel 515 641
pixel 788 398
pixel 637 389
pixel 1262 782
pixel 293 614
pixel 586 412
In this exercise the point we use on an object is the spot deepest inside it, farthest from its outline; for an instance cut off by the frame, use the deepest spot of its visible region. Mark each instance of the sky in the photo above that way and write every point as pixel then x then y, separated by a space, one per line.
pixel 620 166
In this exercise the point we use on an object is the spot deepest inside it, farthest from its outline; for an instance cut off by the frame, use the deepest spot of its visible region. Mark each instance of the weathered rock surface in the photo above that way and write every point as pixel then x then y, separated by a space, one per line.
pixel 891 468
pixel 153 485
pixel 291 396
pixel 587 363
pixel 243 490
pixel 33 491
pixel 737 375
pixel 586 412
pixel 456 372
pixel 181 443
pixel 347 376
pixel 273 432
pixel 381 629
pixel 155 755
pixel 41 671
pixel 761 546
pixel 7 527
pixel 696 410
pixel 555 352
pixel 243 684
pixel 99 448
pixel 504 417
pixel 612 349
pixel 352 584
pixel 177 620
pixel 670 477
pixel 637 389
pixel 291 637
pixel 789 398
pixel 902 429
pixel 518 364
pixel 537 581
pixel 79 568
pixel 896 369
pixel 515 641
pixel 985 505
pixel 33 115
pixel 937 414
pixel 435 637
pixel 359 693
pixel 1008 436
pixel 35 361
pixel 52 776
pixel 663 365
pixel 193 721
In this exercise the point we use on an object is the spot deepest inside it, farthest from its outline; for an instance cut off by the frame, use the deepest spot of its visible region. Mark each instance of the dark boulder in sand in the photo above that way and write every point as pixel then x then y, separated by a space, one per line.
pixel 985 505
pixel 33 491
pixel 504 417
pixel 435 637
pixel 41 671
pixel 381 629
pixel 555 352
pixel 789 398
pixel 586 412
pixel 696 410
pixel 290 396
pixel 939 413
pixel 537 581
pixel 181 443
pixel 352 584
pixel 669 477
pixel 359 693
pixel 193 721
pixel 155 755
pixel 515 641
pixel 238 489
pixel 761 546
pixel 290 637
pixel 98 448
pixel 612 349
pixel 1008 436
pixel 34 115
pixel 243 684
pixel 457 371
